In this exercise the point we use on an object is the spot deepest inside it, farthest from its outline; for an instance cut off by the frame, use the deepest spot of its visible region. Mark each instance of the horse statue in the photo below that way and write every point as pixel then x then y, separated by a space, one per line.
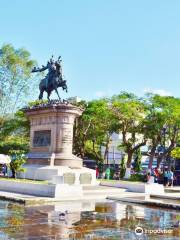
pixel 53 80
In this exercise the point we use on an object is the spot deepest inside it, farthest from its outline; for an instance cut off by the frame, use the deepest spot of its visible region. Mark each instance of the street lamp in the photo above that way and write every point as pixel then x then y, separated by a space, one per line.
pixel 114 155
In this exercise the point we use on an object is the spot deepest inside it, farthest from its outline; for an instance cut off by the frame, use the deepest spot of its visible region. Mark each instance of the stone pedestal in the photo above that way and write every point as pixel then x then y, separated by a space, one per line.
pixel 51 135
pixel 51 140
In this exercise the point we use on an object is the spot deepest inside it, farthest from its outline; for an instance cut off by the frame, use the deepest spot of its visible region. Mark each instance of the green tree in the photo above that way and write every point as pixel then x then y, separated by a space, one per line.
pixel 170 107
pixel 103 125
pixel 94 129
pixel 81 127
pixel 162 125
pixel 15 78
pixel 154 121
pixel 14 133
pixel 130 113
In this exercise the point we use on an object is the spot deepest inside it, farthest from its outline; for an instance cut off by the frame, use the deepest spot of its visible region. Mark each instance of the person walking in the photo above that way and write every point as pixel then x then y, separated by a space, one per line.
pixel 170 178
pixel 108 172
pixel 156 175
pixel 97 172
pixel 165 177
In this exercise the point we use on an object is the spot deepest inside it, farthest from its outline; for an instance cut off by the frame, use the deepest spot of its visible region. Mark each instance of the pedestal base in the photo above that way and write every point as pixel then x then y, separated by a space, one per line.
pixel 60 174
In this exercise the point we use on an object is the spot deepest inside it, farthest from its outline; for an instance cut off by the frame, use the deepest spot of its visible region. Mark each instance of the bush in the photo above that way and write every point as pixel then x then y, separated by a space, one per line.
pixel 137 178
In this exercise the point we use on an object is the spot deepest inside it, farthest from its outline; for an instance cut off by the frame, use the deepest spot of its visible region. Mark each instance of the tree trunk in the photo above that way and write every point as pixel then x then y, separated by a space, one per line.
pixel 95 151
pixel 130 154
pixel 127 173
pixel 164 155
pixel 151 158
pixel 128 165
pixel 159 160
pixel 13 173
pixel 106 153
pixel 129 160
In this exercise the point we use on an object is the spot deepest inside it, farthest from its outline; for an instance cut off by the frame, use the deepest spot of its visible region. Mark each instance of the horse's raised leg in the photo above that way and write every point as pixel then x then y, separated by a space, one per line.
pixel 57 93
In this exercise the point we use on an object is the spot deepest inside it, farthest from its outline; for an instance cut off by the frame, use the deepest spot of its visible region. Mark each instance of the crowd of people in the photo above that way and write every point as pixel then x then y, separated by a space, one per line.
pixel 157 175
pixel 165 176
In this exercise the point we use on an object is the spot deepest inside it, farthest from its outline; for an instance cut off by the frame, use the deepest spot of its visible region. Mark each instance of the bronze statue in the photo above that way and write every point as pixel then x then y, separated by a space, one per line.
pixel 53 79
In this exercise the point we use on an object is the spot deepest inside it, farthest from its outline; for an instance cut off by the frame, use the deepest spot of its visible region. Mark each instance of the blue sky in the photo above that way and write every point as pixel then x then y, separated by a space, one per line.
pixel 107 46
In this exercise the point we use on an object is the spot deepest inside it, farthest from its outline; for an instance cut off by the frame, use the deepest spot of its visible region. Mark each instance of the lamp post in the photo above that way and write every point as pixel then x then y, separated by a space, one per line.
pixel 113 155
pixel 107 157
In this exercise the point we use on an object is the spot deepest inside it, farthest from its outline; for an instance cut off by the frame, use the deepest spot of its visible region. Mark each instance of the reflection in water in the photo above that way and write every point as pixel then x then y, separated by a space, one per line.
pixel 84 220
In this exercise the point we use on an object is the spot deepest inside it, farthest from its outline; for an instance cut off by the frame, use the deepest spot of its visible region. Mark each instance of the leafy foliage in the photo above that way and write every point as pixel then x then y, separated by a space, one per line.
pixel 130 113
pixel 137 178
pixel 14 133
pixel 94 129
pixel 15 79
pixel 152 121
pixel 18 159
pixel 176 153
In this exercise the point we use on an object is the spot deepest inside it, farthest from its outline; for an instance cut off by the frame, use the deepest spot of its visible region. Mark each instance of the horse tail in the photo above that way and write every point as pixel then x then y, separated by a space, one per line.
pixel 65 85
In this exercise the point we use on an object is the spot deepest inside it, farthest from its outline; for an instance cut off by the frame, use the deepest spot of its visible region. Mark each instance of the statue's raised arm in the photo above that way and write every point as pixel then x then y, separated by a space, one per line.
pixel 35 69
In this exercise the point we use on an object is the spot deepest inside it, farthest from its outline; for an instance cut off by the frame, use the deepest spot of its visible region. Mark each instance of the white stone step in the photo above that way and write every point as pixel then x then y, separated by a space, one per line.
pixel 102 190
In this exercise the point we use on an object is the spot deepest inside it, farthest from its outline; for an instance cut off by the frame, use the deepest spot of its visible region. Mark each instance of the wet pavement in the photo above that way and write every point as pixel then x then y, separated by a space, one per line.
pixel 87 220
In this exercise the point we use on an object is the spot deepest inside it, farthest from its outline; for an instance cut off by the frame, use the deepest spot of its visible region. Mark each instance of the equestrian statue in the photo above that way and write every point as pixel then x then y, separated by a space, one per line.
pixel 53 80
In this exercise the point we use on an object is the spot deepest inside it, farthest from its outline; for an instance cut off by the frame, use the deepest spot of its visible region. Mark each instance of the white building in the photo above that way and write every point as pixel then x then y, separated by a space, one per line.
pixel 75 99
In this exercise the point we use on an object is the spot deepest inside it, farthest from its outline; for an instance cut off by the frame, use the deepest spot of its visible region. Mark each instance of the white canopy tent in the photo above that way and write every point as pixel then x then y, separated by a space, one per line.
pixel 4 159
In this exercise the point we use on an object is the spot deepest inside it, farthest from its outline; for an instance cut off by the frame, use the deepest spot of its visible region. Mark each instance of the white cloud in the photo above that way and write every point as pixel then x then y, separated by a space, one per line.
pixel 160 92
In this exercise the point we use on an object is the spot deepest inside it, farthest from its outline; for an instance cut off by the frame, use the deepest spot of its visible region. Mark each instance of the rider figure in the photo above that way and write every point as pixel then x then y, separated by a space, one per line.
pixel 53 69
pixel 51 72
